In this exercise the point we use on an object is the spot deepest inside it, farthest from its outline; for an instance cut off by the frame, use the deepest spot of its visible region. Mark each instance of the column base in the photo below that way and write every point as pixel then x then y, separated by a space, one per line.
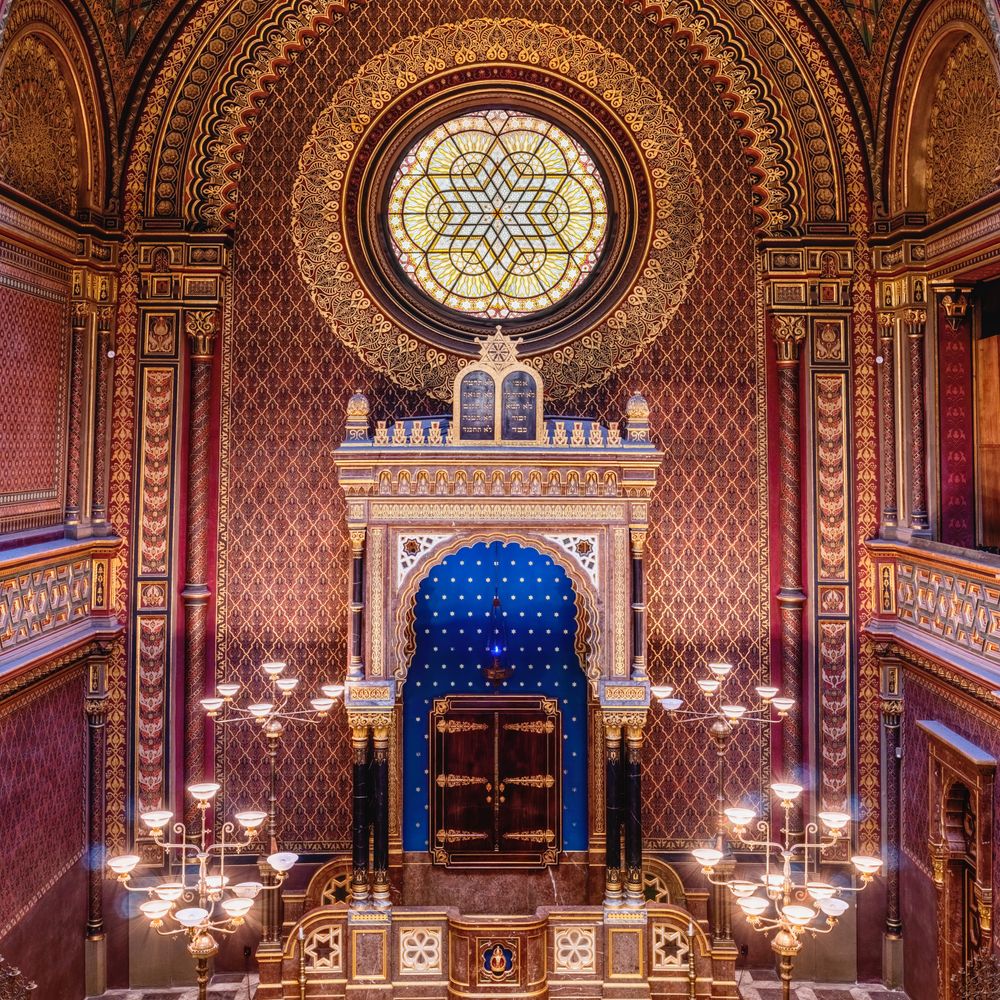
pixel 95 957
pixel 892 960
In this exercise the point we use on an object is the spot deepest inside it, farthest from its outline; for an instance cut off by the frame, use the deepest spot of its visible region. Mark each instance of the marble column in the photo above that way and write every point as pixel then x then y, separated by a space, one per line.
pixel 360 826
pixel 634 894
pixel 789 335
pixel 96 706
pixel 380 810
pixel 79 322
pixel 892 712
pixel 887 418
pixel 613 814
pixel 201 332
pixel 915 323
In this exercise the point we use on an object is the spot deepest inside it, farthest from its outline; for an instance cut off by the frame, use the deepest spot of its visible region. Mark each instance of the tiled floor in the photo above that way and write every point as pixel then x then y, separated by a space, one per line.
pixel 761 985
pixel 223 987
pixel 753 986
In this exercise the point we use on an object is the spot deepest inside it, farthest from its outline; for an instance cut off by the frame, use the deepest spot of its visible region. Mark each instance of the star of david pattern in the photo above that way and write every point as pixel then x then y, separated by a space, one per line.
pixel 497 214
pixel 284 551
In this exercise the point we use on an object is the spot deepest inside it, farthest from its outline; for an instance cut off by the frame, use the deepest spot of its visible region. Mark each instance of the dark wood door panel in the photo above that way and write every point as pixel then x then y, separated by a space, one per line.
pixel 496 788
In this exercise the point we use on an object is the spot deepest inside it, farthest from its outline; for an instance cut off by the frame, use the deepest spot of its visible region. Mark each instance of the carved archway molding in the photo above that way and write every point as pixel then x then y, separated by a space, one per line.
pixel 588 639
pixel 781 113
pixel 934 36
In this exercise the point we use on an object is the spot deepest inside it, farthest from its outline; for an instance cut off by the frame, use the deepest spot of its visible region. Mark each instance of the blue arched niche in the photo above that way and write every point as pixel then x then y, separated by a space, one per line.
pixel 451 623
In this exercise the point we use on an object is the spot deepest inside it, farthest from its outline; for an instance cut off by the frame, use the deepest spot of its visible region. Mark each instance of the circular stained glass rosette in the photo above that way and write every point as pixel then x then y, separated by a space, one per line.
pixel 497 214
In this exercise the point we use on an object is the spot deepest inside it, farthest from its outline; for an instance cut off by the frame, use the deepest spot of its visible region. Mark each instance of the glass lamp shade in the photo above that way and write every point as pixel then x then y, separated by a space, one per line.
pixel 707 857
pixel 191 916
pixel 833 907
pixel 834 821
pixel 798 916
pixel 212 705
pixel 333 691
pixel 155 909
pixel 274 668
pixel 169 891
pixel 156 819
pixel 783 705
pixel 661 691
pixel 742 889
pixel 216 882
pixel 671 704
pixel 709 684
pixel 866 864
pixel 733 713
pixel 124 863
pixel 260 709
pixel 321 705
pixel 250 819
pixel 286 685
pixel 773 883
pixel 740 817
pixel 720 670
pixel 786 791
pixel 247 890
pixel 282 861
pixel 227 690
pixel 753 906
pixel 765 692
pixel 204 791
pixel 237 907
pixel 821 890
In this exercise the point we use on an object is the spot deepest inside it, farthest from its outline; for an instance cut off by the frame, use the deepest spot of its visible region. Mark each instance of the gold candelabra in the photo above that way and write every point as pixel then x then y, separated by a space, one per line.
pixel 794 895
pixel 214 906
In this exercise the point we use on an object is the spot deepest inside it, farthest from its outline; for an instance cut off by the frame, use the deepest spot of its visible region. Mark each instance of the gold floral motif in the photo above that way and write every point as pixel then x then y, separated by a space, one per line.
pixel 317 213
pixel 459 780
pixel 456 726
pixel 532 781
pixel 458 836
pixel 532 836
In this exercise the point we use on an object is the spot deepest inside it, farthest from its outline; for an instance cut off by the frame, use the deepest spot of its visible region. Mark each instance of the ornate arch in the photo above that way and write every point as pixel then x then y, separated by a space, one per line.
pixel 936 35
pixel 43 35
pixel 588 640
pixel 233 57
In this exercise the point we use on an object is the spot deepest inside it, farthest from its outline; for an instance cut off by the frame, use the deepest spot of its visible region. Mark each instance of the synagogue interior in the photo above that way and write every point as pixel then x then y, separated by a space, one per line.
pixel 499 499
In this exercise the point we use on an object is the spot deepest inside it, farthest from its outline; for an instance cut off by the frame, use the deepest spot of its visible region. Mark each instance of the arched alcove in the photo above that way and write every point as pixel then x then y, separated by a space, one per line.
pixel 452 625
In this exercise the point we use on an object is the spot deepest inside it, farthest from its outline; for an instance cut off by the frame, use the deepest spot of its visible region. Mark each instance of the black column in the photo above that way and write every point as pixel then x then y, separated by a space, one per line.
pixel 613 814
pixel 633 814
pixel 380 818
pixel 359 878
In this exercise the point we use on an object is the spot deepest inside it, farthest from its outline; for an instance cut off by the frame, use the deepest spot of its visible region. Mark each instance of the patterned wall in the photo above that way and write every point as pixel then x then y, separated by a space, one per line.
pixel 452 628
pixel 33 344
pixel 283 545
pixel 42 786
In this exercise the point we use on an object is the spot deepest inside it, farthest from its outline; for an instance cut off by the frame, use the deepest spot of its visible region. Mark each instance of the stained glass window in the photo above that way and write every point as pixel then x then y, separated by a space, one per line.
pixel 498 214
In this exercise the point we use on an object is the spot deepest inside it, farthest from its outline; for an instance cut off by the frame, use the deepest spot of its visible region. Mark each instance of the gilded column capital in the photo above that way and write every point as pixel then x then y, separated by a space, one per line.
pixel 886 325
pixel 616 719
pixel 357 536
pixel 638 539
pixel 915 321
pixel 789 335
pixel 200 326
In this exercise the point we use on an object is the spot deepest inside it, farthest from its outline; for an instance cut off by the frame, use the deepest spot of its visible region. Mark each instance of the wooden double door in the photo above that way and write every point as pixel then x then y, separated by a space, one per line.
pixel 496 781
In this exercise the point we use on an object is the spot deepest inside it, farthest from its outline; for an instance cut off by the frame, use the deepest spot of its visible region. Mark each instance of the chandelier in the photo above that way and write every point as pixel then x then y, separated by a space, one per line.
pixel 790 897
pixel 199 902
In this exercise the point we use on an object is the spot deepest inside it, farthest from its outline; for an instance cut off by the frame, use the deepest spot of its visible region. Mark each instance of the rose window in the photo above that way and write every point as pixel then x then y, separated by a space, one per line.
pixel 497 214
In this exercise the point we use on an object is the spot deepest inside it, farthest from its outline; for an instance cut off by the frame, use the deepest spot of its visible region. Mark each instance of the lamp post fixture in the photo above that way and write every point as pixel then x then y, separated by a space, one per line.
pixel 214 907
pixel 272 714
pixel 797 897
